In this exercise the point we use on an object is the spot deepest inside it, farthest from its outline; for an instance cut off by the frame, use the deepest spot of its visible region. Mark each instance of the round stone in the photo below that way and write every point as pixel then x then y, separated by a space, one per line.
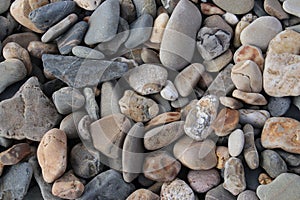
pixel 247 195
pixel 235 7
pixel 249 52
pixel 236 142
pixel 278 106
pixel 202 181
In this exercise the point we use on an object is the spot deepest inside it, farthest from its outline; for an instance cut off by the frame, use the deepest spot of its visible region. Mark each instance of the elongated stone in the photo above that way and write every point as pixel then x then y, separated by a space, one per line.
pixel 256 118
pixel 79 73
pixel 15 154
pixel 37 49
pixel 46 16
pixel 250 151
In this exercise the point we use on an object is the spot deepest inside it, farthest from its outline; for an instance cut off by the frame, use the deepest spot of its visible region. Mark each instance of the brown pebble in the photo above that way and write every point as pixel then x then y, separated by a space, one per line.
pixel 15 154
pixel 37 49
pixel 163 118
pixel 250 98
pixel 210 9
pixel 264 179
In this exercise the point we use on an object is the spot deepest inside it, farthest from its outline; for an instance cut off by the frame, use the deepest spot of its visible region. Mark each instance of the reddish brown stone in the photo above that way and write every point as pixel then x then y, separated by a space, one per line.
pixel 15 154
pixel 163 118
pixel 226 121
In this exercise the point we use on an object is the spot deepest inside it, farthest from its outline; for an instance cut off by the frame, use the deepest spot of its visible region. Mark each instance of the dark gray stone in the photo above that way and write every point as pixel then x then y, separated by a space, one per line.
pixel 292 160
pixel 14 184
pixel 140 31
pixel 145 7
pixel 4 24
pixel 252 177
pixel 70 124
pixel 46 16
pixel 128 11
pixel 51 86
pixel 169 5
pixel 219 193
pixel 278 106
pixel 272 163
pixel 34 193
pixel 108 185
pixel 79 73
pixel 72 37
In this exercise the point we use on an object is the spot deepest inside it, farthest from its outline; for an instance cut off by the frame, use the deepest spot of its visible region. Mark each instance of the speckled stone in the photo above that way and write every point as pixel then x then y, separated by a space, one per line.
pixel 203 181
pixel 278 106
pixel 272 163
pixel 143 194
pixel 176 189
pixel 231 103
pixel 91 105
pixel 249 52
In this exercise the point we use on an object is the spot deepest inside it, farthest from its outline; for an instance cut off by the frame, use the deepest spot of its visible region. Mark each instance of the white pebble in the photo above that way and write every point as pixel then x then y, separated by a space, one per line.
pixel 236 142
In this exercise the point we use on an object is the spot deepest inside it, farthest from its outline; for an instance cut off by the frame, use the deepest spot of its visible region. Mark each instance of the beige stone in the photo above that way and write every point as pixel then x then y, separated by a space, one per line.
pixel 159 26
pixel 222 153
pixel 231 102
pixel 210 9
pixel 37 49
pixel 176 189
pixel 250 98
pixel 237 33
pixel 274 8
pixel 249 52
pixel 143 194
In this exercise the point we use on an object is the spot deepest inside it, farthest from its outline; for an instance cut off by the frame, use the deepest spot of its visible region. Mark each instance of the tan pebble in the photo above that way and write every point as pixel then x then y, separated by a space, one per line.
pixel 250 98
pixel 159 26
pixel 163 118
pixel 14 50
pixel 15 154
pixel 210 9
pixel 88 4
pixel 237 33
pixel 37 49
pixel 222 153
pixel 218 63
pixel 249 52
pixel 287 41
pixel 68 186
pixel 52 154
pixel 231 102
pixel 143 194
pixel 34 4
pixel 264 179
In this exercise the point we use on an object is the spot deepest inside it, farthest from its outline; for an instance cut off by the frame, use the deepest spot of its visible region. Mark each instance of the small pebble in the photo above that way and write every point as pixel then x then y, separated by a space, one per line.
pixel 230 18
pixel 37 49
pixel 210 9
pixel 231 102
pixel 88 4
pixel 176 189
pixel 250 152
pixel 222 154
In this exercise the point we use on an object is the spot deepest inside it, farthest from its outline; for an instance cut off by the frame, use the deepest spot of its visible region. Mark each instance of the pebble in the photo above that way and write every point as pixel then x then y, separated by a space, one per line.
pixel 87 53
pixel 235 7
pixel 4 6
pixel 145 7
pixel 285 186
pixel 159 26
pixel 250 152
pixel 46 16
pixel 15 183
pixel 219 193
pixel 272 163
pixel 149 56
pixel 23 39
pixel 222 154
pixel 37 49
pixel 241 25
pixel 274 8
pixel 34 4
pixel 147 78
pixel 109 99
pixel 176 189
pixel 236 142
pixel 292 160
pixel 68 186
pixel 256 118
pixel 291 7
pixel 261 31
pixel 203 181
pixel 231 103
pixel 133 152
pixel 247 195
pixel 79 73
pixel 212 42
pixel 127 10
pixel 281 74
pixel 137 107
pixel 169 5
pixel 249 52
pixel 143 194
pixel 250 98
pixel 59 28
pixel 281 132
pixel 164 135
pixel 196 155
pixel 177 55
pixel 108 134
pixel 68 100
pixel 15 154
pixel 52 154
pixel 164 118
pixel 216 21
pixel 70 124
pixel 226 121
pixel 27 121
pixel 210 9
pixel 91 105
pixel 187 79
pixel 72 37
pixel 198 121
pixel 103 23
pixel 14 50
pixel 169 92
pixel 230 18
pixel 264 179
pixel 11 71
pixel 234 176
pixel 140 31
pixel 88 4
pixel 218 63
pixel 107 185
pixel 278 106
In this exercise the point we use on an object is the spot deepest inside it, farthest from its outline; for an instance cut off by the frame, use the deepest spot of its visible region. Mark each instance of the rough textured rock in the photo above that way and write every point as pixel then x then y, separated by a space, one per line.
pixel 281 132
pixel 222 154
pixel 236 142
pixel 15 154
pixel 52 154
pixel 203 181
pixel 235 7
pixel 250 151
pixel 143 194
pixel 159 26
pixel 272 163
pixel 226 121
pixel 178 43
pixel 27 121
pixel 176 189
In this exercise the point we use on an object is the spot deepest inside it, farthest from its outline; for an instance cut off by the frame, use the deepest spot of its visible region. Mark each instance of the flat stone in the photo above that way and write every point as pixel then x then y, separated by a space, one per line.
pixel 37 49
pixel 15 183
pixel 70 124
pixel 15 154
pixel 143 194
pixel 164 135
pixel 52 154
pixel 108 134
pixel 216 21
pixel 284 186
pixel 59 28
pixel 218 63
pixel 84 163
pixel 145 7
pixel 278 106
pixel 272 163
pixel 235 7
pixel 250 152
pixel 222 154
pixel 247 195
pixel 28 121
pixel 230 102
pixel 160 166
pixel 226 121
pixel 79 73
pixel 265 29
pixel 256 118
pixel 103 23
pixel 178 42
pixel 72 37
pixel 236 142
pixel 133 152
pixel 203 181
pixel 196 155
pixel 169 92
pixel 210 9
pixel 198 121
pixel 176 189
pixel 107 185
pixel 137 107
pixel 250 98
pixel 46 16
pixel 159 26
pixel 162 119
pixel 274 8
pixel 88 4
pixel 219 193
pixel 281 132
pixel 187 79
pixel 249 52
pixel 11 71
pixel 291 7
pixel 234 176
pixel 68 186
pixel 127 10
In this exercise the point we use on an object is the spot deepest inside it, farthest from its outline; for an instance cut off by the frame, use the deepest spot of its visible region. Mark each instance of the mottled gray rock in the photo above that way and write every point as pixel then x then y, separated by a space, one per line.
pixel 70 124
pixel 103 23
pixel 145 7
pixel 247 195
pixel 272 163
pixel 219 193
pixel 107 185
pixel 15 183
pixel 87 53
pixel 91 105
pixel 177 189
pixel 278 106
pixel 79 73
pixel 292 160
pixel 250 151
pixel 47 15
pixel 27 121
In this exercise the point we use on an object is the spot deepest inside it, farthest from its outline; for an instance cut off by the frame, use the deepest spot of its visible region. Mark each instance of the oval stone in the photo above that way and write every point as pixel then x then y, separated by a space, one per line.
pixel 236 142
pixel 235 7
